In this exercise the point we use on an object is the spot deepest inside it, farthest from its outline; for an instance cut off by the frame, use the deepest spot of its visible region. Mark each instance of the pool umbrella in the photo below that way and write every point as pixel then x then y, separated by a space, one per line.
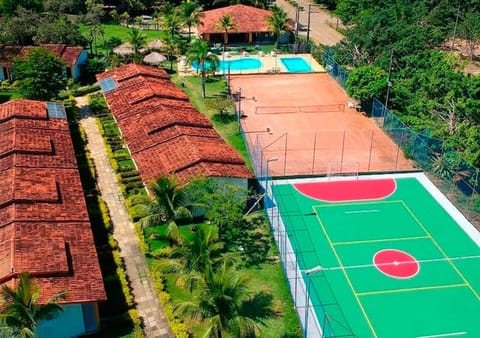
pixel 154 58
pixel 124 49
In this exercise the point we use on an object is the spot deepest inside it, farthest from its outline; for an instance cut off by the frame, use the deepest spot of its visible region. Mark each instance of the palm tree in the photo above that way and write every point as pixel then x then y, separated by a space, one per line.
pixel 226 23
pixel 172 47
pixel 21 312
pixel 277 22
pixel 169 204
pixel 138 40
pixel 172 23
pixel 223 304
pixel 194 255
pixel 191 13
pixel 206 61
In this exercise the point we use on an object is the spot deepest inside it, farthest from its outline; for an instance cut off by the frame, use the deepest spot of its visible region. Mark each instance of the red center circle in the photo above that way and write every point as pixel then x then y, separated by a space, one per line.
pixel 396 263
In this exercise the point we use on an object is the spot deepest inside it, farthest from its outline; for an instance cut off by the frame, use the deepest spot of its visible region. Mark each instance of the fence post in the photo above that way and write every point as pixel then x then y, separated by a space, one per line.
pixel 314 150
pixel 370 153
pixel 285 156
pixel 343 149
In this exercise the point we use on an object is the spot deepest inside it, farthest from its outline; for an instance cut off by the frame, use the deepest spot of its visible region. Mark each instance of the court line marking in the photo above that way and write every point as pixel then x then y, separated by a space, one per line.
pixel 442 252
pixel 362 309
pixel 373 265
pixel 385 292
pixel 355 203
pixel 361 211
pixel 382 240
pixel 445 335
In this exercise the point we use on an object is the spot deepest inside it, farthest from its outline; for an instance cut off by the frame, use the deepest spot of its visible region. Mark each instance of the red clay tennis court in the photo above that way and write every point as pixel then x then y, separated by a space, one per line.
pixel 383 256
pixel 304 122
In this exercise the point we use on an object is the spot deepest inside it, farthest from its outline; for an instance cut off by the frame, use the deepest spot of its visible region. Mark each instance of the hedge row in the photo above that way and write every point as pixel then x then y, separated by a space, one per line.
pixel 132 188
pixel 98 212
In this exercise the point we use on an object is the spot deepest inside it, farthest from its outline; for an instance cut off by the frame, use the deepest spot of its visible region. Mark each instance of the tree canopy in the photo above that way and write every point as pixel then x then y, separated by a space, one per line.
pixel 408 45
pixel 40 75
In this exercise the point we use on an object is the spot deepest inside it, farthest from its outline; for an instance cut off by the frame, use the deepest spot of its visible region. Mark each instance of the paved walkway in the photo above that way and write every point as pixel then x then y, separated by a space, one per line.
pixel 322 22
pixel 147 303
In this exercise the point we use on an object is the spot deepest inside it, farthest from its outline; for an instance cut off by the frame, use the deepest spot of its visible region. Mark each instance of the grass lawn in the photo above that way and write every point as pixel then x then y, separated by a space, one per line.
pixel 119 31
pixel 267 277
pixel 211 106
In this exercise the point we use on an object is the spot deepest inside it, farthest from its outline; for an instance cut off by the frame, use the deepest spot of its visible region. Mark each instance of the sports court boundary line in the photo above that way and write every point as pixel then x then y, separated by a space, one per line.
pixel 349 282
pixel 386 292
pixel 448 259
pixel 381 240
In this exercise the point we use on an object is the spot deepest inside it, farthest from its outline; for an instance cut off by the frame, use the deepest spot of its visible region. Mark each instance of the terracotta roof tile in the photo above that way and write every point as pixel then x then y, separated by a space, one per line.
pixel 44 225
pixel 23 109
pixel 246 19
pixel 162 129
pixel 69 54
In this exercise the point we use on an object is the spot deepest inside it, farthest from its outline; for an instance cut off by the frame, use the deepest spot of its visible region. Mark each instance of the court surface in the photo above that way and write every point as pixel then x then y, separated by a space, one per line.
pixel 310 125
pixel 384 257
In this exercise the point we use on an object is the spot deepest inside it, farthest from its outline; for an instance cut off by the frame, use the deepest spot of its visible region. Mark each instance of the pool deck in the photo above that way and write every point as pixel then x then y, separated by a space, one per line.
pixel 270 64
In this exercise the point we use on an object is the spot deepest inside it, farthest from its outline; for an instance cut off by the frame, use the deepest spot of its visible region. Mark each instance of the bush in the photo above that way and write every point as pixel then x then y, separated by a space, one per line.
pixel 86 90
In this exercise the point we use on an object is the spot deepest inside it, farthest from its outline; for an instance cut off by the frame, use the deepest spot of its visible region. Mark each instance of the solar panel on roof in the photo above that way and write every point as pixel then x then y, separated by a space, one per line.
pixel 56 110
pixel 107 84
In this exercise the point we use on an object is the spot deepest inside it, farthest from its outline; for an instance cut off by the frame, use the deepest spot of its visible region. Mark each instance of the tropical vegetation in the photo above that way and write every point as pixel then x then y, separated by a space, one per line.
pixel 418 51
pixel 21 312
pixel 200 56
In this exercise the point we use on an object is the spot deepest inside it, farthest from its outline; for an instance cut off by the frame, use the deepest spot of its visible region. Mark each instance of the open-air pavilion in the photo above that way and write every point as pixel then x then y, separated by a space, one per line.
pixel 250 24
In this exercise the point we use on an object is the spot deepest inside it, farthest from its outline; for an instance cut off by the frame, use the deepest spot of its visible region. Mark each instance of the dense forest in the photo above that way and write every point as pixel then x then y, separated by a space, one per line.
pixel 418 51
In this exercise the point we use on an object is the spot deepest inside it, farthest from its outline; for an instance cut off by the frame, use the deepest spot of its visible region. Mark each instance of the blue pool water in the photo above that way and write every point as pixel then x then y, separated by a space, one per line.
pixel 235 65
pixel 296 64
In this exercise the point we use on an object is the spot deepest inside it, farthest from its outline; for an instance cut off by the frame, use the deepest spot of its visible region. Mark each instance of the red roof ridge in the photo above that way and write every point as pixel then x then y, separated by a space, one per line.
pixel 162 129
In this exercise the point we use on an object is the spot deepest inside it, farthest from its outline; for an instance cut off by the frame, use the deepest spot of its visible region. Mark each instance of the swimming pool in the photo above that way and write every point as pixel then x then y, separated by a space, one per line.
pixel 235 64
pixel 296 64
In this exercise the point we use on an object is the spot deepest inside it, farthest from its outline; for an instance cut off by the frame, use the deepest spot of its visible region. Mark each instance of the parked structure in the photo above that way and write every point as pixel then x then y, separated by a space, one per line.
pixel 250 24
pixel 163 131
pixel 73 56
pixel 44 224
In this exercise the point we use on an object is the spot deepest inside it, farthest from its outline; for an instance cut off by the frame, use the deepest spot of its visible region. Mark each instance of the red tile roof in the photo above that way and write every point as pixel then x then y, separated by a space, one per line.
pixel 246 18
pixel 164 132
pixel 69 54
pixel 44 225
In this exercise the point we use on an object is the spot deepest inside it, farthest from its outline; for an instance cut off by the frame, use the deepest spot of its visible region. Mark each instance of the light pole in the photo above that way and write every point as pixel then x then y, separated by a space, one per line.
pixel 308 272
pixel 239 113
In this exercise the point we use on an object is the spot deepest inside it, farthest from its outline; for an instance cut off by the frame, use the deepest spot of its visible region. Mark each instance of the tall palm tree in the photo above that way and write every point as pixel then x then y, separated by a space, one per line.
pixel 223 304
pixel 206 61
pixel 172 23
pixel 169 204
pixel 226 24
pixel 194 255
pixel 191 14
pixel 21 312
pixel 172 48
pixel 138 40
pixel 277 21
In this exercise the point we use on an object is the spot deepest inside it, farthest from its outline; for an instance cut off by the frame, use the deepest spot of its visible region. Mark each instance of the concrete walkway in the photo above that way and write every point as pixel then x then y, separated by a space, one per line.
pixel 147 303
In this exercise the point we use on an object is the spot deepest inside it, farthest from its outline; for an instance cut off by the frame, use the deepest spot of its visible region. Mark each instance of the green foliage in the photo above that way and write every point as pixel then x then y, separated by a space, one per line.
pixel 277 22
pixel 21 313
pixel 225 305
pixel 40 75
pixel 81 91
pixel 199 53
pixel 365 83
pixel 429 90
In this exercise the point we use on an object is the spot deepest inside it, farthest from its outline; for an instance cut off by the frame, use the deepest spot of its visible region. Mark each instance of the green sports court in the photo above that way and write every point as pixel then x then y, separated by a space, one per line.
pixel 377 256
